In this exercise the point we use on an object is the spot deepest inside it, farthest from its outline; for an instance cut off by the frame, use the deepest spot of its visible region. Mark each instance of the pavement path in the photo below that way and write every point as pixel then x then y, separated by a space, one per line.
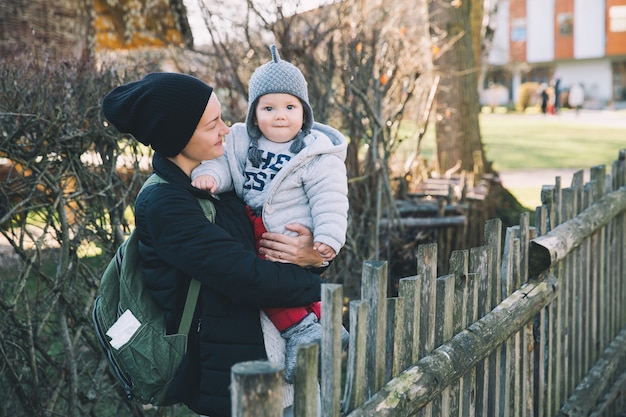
pixel 610 118
pixel 524 178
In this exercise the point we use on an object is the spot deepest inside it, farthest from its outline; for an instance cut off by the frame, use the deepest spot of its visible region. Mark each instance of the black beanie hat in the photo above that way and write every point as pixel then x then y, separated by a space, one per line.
pixel 162 110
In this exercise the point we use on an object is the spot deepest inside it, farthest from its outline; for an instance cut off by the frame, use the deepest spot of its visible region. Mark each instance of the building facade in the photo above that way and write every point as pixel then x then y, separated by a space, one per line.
pixel 576 41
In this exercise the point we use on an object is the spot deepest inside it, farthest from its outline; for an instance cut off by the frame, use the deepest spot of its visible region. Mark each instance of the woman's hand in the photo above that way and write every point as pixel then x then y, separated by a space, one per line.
pixel 291 249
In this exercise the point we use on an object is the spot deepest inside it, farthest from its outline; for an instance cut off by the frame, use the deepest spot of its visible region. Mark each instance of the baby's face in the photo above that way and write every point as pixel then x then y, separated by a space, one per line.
pixel 279 116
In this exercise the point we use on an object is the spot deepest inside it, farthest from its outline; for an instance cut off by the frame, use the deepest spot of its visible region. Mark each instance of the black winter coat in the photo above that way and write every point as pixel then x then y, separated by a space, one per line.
pixel 177 243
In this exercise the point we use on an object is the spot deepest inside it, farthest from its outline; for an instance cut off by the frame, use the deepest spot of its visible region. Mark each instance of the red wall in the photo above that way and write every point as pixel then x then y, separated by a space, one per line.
pixel 517 50
pixel 615 41
pixel 563 44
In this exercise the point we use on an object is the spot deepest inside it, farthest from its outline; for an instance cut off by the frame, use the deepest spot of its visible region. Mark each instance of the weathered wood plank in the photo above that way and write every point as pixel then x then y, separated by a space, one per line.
pixel 597 379
pixel 567 213
pixel 528 350
pixel 390 326
pixel 480 267
pixel 444 319
pixel 427 270
pixel 374 291
pixel 556 244
pixel 448 221
pixel 493 239
pixel 594 309
pixel 410 291
pixel 418 385
pixel 459 266
pixel 600 261
pixel 407 208
pixel 516 372
pixel 508 351
pixel 247 399
pixel 332 306
pixel 306 385
pixel 400 338
pixel 597 175
pixel 473 391
pixel 468 382
pixel 354 393
pixel 524 226
pixel 554 361
pixel 541 376
pixel 607 404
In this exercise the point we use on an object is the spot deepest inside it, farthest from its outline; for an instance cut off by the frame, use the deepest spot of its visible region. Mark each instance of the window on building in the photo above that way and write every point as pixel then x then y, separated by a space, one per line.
pixel 518 30
pixel 619 80
pixel 617 19
pixel 538 75
pixel 566 24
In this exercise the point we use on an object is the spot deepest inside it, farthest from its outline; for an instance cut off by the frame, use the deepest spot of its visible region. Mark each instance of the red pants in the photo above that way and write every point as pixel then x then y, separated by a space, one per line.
pixel 283 318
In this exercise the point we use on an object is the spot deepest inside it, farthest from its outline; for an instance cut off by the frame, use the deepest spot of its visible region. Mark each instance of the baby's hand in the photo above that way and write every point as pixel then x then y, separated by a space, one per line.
pixel 325 251
pixel 206 183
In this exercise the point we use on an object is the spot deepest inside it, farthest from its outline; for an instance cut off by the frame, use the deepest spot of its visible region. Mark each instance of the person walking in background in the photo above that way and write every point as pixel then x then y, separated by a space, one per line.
pixel 556 85
pixel 287 168
pixel 179 116
pixel 576 97
pixel 544 96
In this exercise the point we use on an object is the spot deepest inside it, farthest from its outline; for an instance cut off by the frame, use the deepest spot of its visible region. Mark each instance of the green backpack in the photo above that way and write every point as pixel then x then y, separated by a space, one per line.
pixel 130 326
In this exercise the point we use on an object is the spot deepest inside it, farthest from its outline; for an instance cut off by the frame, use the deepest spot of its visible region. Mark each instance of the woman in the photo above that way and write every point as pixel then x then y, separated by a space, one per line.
pixel 180 118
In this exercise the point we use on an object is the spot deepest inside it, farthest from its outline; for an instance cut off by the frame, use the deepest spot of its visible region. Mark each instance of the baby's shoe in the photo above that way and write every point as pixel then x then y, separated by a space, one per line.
pixel 307 331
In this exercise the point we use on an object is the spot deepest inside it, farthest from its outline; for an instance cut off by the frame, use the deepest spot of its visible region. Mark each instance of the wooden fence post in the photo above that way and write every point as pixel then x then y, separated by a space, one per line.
pixel 493 239
pixel 410 291
pixel 589 391
pixel 307 399
pixel 524 347
pixel 427 271
pixel 374 291
pixel 332 304
pixel 354 394
pixel 257 389
pixel 548 249
pixel 417 386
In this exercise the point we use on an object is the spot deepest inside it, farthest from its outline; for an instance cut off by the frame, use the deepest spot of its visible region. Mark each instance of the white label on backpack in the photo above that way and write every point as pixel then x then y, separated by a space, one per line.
pixel 123 329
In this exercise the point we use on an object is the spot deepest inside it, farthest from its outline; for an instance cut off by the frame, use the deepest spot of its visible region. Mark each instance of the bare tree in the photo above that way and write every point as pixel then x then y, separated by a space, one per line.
pixel 366 63
pixel 459 145
pixel 66 183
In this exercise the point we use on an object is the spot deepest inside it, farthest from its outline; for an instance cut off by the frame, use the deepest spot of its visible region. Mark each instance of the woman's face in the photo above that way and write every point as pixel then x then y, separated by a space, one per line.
pixel 207 140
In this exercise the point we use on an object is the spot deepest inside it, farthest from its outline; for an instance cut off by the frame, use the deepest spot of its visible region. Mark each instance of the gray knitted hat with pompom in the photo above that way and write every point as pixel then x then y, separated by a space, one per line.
pixel 276 76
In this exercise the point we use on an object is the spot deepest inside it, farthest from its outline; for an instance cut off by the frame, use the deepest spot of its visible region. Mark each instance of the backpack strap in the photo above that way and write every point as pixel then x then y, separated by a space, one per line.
pixel 207 205
pixel 194 285
pixel 190 307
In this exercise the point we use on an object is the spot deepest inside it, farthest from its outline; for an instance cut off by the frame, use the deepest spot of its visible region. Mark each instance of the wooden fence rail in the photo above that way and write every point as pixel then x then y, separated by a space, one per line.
pixel 532 323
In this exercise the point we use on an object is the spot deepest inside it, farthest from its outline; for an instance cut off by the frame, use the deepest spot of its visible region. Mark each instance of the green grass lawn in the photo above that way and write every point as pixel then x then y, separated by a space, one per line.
pixel 526 141
pixel 523 143
pixel 532 141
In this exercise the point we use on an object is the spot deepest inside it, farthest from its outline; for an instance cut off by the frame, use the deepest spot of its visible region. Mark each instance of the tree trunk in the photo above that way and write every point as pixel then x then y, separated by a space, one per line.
pixel 459 146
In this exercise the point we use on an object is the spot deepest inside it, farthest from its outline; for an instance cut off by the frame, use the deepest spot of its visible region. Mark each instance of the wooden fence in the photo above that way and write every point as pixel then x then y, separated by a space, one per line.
pixel 532 323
